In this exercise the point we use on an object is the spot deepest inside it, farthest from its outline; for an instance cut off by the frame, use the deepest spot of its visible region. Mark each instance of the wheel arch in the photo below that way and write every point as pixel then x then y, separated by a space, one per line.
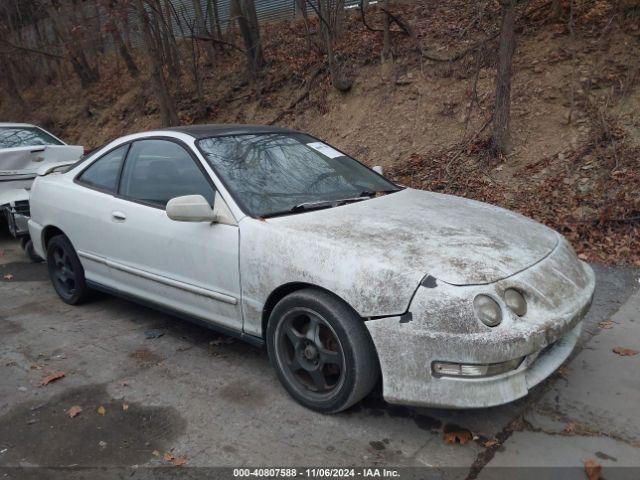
pixel 286 289
pixel 48 233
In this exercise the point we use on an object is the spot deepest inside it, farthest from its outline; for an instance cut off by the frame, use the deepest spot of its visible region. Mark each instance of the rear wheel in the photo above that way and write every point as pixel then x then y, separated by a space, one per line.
pixel 321 350
pixel 65 271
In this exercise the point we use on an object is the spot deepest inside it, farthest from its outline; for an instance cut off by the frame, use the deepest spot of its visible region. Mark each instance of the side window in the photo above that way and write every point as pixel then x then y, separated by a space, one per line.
pixel 103 173
pixel 158 170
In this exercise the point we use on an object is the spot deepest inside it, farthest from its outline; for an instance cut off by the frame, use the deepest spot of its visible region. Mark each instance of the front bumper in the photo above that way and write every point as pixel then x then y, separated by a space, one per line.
pixel 544 338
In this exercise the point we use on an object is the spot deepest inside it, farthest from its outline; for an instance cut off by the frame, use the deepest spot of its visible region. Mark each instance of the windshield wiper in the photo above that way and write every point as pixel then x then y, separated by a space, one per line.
pixel 373 193
pixel 326 203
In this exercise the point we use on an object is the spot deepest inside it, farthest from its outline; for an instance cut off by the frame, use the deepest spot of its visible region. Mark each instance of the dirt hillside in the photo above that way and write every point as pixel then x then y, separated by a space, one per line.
pixel 575 157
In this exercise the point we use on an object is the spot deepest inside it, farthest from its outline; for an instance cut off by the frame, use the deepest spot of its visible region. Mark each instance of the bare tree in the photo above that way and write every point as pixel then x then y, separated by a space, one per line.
pixel 245 13
pixel 331 13
pixel 386 34
pixel 9 82
pixel 111 27
pixel 66 28
pixel 165 100
pixel 500 139
pixel 214 18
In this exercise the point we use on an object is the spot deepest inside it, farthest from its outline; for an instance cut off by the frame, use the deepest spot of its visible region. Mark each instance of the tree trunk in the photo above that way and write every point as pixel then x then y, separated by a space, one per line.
pixel 500 139
pixel 13 93
pixel 247 18
pixel 214 18
pixel 327 30
pixel 167 106
pixel 200 29
pixel 132 68
pixel 386 35
pixel 72 43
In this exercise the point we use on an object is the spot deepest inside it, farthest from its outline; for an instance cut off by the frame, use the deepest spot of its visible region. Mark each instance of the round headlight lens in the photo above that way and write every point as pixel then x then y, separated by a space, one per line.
pixel 515 301
pixel 487 310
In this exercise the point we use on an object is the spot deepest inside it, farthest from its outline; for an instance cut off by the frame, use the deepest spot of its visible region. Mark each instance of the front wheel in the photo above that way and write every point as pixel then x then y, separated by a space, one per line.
pixel 65 271
pixel 321 350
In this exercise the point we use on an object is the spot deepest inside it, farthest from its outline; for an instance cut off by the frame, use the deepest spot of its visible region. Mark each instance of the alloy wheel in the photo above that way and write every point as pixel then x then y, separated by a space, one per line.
pixel 63 273
pixel 309 353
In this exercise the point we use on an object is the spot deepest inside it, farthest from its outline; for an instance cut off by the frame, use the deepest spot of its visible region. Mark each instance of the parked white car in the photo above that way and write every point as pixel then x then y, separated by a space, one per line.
pixel 276 237
pixel 25 152
pixel 25 149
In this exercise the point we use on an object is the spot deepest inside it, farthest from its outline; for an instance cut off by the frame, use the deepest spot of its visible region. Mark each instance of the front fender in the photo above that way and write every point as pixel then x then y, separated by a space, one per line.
pixel 272 256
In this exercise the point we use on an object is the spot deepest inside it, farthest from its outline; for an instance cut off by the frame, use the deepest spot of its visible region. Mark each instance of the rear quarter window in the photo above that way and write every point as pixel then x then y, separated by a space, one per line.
pixel 103 173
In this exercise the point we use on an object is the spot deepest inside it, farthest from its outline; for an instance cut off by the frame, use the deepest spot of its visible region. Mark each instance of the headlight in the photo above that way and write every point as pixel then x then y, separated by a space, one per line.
pixel 487 310
pixel 515 301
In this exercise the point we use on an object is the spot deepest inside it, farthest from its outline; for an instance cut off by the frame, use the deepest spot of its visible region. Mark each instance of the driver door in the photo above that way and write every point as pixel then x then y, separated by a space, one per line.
pixel 184 266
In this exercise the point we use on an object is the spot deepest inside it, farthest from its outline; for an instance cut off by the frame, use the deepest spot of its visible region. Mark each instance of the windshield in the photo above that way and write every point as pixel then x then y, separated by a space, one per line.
pixel 277 173
pixel 11 137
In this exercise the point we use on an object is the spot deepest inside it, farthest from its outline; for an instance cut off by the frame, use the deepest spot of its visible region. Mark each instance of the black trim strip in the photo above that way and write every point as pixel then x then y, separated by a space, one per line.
pixel 251 339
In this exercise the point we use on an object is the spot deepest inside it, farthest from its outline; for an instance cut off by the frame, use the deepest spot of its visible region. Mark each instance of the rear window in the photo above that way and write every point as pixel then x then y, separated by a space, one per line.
pixel 11 137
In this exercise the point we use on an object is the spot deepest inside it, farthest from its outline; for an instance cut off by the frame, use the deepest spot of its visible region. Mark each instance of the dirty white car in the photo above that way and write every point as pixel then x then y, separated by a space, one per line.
pixel 25 152
pixel 25 149
pixel 276 237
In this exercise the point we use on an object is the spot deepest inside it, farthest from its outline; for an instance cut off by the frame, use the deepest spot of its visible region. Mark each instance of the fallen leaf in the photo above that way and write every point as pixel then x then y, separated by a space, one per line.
pixel 593 469
pixel 52 378
pixel 570 427
pixel 101 410
pixel 490 443
pixel 179 461
pixel 155 453
pixel 461 436
pixel 168 457
pixel 125 407
pixel 606 324
pixel 625 352
pixel 8 276
pixel 74 411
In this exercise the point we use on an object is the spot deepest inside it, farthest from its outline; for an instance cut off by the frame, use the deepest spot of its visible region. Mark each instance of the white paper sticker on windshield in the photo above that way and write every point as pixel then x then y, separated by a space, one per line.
pixel 325 149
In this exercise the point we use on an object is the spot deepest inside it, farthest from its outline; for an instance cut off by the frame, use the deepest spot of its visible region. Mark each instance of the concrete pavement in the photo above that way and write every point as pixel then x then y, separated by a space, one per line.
pixel 191 392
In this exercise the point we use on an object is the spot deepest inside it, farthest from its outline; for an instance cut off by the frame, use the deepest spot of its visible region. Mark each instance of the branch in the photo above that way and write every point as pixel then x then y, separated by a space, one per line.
pixel 406 28
pixel 31 50
pixel 457 56
pixel 364 20
pixel 304 94
pixel 463 53
pixel 215 40
pixel 315 9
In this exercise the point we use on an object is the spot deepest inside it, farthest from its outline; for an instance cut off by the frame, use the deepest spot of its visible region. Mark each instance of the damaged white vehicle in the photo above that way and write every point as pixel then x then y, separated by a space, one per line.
pixel 25 152
pixel 280 239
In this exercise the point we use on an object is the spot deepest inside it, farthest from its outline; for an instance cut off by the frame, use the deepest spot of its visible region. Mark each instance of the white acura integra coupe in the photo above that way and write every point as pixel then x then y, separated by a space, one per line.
pixel 276 237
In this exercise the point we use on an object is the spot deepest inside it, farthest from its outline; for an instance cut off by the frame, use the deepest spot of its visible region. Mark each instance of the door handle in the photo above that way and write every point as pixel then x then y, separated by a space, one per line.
pixel 118 216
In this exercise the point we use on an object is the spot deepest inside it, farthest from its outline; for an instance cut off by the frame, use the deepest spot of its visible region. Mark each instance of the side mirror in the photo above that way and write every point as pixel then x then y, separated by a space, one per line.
pixel 190 208
pixel 378 170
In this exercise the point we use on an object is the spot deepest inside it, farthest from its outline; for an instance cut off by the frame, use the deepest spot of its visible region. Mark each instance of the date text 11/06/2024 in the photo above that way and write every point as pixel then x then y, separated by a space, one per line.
pixel 316 472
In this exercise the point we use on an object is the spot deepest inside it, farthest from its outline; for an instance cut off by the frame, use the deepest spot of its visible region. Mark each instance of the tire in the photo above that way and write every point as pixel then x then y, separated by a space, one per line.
pixel 23 242
pixel 31 252
pixel 65 271
pixel 321 351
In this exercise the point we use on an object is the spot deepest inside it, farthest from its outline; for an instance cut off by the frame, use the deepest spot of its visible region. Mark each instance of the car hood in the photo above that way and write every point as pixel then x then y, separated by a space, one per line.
pixel 456 240
pixel 28 160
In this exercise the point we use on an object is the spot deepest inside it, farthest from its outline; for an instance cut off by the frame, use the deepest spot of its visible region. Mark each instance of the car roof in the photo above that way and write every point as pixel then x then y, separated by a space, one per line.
pixel 217 130
pixel 16 125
